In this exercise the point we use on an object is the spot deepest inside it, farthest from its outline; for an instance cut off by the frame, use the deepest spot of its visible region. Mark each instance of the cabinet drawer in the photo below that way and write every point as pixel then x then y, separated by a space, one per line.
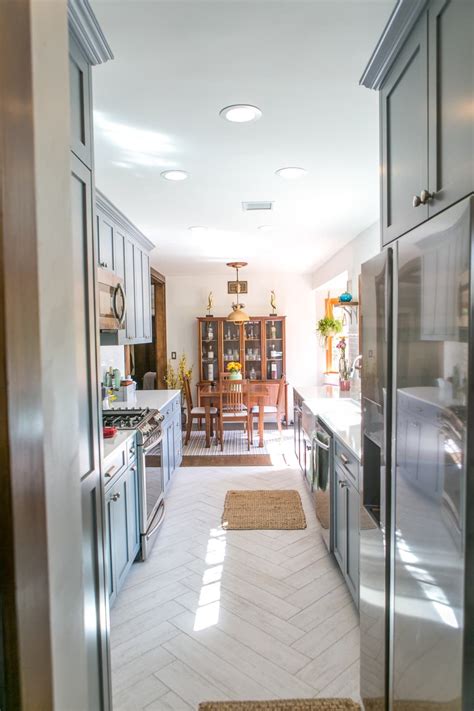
pixel 347 462
pixel 115 463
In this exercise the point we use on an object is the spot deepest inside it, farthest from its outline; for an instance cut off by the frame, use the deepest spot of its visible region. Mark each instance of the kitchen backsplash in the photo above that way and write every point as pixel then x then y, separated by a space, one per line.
pixel 112 356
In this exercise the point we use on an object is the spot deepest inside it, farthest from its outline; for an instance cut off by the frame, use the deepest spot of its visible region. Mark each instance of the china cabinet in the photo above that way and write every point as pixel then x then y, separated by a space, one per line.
pixel 258 344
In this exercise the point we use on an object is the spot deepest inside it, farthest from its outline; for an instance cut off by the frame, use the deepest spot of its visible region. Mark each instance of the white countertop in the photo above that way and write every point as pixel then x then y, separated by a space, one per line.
pixel 110 445
pixel 339 411
pixel 155 399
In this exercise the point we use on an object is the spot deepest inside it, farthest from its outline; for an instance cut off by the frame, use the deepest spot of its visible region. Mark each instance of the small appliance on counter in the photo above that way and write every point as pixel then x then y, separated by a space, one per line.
pixel 147 423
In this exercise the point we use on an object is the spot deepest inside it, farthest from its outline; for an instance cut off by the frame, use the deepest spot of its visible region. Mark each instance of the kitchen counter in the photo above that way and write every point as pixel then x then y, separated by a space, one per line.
pixel 110 445
pixel 340 412
pixel 155 399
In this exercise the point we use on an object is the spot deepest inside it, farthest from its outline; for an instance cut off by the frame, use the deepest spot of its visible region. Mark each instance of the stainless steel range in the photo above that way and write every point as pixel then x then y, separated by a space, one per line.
pixel 147 424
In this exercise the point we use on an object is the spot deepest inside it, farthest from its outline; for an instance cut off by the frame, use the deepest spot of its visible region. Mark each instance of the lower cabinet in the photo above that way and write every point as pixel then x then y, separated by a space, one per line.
pixel 122 528
pixel 346 530
pixel 172 439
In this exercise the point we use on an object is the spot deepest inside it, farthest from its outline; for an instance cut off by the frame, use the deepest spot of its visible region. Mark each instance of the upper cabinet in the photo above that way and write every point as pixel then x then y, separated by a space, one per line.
pixel 124 250
pixel 424 69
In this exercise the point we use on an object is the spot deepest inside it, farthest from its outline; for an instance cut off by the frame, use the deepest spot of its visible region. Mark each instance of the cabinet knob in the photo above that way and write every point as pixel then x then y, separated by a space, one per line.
pixel 416 202
pixel 426 196
pixel 342 483
pixel 116 496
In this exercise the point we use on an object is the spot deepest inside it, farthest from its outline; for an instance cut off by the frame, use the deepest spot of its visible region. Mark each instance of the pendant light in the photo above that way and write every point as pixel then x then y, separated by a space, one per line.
pixel 237 315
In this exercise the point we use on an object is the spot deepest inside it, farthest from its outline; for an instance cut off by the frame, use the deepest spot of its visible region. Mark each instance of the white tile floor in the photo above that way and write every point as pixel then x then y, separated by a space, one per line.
pixel 232 615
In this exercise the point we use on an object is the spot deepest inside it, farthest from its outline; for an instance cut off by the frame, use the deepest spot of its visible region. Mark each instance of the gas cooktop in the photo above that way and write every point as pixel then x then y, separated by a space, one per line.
pixel 146 421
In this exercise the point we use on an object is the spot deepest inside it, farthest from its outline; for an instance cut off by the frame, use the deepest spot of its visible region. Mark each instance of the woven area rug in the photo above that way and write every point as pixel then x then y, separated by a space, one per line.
pixel 282 705
pixel 235 443
pixel 263 510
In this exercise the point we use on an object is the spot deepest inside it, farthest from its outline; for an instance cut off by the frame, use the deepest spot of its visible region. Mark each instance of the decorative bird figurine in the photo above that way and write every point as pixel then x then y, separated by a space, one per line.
pixel 273 303
pixel 210 304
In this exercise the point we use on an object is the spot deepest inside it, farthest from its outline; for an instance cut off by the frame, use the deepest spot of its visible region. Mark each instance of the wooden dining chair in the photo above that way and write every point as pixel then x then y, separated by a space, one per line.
pixel 196 413
pixel 224 376
pixel 276 410
pixel 234 407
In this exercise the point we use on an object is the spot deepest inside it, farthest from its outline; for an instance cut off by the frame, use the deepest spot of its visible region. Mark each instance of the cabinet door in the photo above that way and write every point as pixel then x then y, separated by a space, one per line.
pixel 105 241
pixel 137 266
pixel 352 549
pixel 340 518
pixel 451 88
pixel 80 93
pixel 130 291
pixel 119 494
pixel 119 254
pixel 404 136
pixel 146 296
pixel 109 555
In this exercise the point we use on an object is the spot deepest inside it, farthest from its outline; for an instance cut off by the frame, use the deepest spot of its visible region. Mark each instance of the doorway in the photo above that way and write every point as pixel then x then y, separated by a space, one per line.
pixel 147 361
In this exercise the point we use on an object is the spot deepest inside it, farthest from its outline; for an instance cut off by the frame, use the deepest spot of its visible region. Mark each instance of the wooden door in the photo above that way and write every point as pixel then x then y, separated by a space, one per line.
pixel 451 91
pixel 404 136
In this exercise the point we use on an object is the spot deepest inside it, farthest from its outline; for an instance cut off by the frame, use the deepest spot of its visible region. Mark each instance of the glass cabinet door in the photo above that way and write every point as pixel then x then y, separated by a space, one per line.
pixel 274 349
pixel 209 350
pixel 253 350
pixel 231 342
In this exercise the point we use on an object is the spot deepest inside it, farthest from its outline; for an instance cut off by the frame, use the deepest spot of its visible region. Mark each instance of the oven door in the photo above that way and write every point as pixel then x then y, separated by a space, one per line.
pixel 322 455
pixel 152 492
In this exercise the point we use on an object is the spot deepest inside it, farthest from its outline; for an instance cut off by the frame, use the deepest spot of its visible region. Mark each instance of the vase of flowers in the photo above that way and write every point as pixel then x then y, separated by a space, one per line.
pixel 344 375
pixel 235 370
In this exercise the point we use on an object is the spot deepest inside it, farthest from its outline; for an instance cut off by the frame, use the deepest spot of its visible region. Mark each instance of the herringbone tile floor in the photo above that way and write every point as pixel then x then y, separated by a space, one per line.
pixel 236 614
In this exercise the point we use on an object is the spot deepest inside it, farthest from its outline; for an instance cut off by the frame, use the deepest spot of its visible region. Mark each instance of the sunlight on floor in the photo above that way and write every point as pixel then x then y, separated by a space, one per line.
pixel 207 613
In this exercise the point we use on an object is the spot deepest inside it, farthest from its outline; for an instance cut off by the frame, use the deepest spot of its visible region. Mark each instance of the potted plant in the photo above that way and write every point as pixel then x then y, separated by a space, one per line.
pixel 235 370
pixel 328 327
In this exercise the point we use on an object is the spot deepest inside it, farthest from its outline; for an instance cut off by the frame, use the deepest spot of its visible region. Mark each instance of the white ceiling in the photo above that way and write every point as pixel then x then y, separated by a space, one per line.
pixel 177 63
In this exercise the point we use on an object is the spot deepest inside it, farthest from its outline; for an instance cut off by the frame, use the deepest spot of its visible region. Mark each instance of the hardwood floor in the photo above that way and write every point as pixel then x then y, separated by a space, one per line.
pixel 232 615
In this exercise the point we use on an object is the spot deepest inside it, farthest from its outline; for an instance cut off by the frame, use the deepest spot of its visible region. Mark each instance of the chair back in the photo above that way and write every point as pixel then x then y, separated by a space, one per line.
pixel 234 396
pixel 187 394
pixel 281 391
pixel 224 376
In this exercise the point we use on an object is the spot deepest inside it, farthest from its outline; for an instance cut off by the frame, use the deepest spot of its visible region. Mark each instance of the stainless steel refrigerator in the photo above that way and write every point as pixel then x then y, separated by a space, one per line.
pixel 417 500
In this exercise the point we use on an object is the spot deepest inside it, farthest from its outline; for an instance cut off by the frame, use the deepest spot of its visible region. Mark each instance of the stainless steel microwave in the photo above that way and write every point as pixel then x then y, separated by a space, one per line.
pixel 112 301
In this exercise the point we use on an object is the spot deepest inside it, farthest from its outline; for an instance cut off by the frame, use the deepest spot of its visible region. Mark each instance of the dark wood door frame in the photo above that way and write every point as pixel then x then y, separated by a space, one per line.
pixel 159 335
pixel 24 584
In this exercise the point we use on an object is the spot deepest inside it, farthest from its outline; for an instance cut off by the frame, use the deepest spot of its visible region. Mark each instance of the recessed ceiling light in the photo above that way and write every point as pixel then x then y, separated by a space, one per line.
pixel 197 229
pixel 174 175
pixel 240 113
pixel 266 228
pixel 291 173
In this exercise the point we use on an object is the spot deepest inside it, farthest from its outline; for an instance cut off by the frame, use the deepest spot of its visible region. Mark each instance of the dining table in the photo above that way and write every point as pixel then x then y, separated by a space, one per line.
pixel 210 395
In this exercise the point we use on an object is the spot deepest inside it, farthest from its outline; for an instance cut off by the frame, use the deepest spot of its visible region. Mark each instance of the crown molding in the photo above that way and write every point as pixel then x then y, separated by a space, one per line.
pixel 107 207
pixel 397 29
pixel 86 29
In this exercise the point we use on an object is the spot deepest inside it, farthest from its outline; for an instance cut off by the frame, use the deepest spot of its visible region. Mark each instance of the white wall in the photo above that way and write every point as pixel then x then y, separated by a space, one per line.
pixel 186 298
pixel 330 279
pixel 114 357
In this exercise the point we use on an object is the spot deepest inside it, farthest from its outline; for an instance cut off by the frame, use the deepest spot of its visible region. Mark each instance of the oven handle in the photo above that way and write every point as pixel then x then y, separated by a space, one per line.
pixel 153 530
pixel 320 444
pixel 147 450
pixel 120 317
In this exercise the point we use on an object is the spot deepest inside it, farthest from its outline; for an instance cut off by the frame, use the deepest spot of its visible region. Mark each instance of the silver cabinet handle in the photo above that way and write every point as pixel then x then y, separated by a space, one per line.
pixel 342 483
pixel 426 196
pixel 320 444
pixel 416 202
pixel 111 471
pixel 344 459
pixel 116 496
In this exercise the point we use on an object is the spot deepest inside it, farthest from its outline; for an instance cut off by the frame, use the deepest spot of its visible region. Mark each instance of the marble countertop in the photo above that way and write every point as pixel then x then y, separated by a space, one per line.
pixel 340 411
pixel 155 399
pixel 110 445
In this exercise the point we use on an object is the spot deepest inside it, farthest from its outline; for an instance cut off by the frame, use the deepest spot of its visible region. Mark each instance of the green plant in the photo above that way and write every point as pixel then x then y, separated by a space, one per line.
pixel 328 327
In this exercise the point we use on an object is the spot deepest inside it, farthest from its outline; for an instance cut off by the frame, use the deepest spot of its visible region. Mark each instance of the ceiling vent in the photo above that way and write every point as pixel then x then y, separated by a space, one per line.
pixel 249 206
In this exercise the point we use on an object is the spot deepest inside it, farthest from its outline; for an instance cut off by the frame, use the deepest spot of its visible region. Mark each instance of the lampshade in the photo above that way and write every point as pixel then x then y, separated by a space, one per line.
pixel 238 315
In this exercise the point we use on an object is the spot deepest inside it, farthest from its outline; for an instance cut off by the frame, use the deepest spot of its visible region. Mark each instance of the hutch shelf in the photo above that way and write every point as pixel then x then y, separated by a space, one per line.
pixel 258 344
